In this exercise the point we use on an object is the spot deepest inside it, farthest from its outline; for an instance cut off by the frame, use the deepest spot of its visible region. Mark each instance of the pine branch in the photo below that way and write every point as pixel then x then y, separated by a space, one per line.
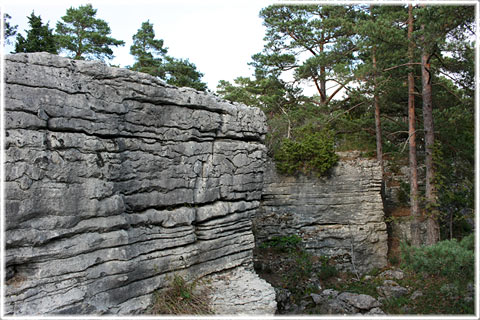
pixel 402 65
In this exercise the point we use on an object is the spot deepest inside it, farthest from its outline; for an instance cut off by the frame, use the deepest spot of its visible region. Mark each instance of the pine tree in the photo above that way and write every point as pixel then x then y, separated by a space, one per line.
pixel 325 33
pixel 183 73
pixel 379 45
pixel 151 57
pixel 412 154
pixel 40 37
pixel 9 30
pixel 85 37
pixel 148 52
pixel 438 23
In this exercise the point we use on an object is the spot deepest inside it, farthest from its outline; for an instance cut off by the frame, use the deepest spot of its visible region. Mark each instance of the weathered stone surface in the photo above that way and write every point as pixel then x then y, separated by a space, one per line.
pixel 360 301
pixel 240 292
pixel 114 181
pixel 415 295
pixel 334 215
pixel 391 289
pixel 392 274
pixel 375 311
pixel 332 302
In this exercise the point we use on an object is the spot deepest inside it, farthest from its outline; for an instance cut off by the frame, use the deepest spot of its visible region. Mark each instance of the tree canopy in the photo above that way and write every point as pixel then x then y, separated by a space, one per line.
pixel 9 30
pixel 39 38
pixel 148 52
pixel 356 57
pixel 151 57
pixel 82 36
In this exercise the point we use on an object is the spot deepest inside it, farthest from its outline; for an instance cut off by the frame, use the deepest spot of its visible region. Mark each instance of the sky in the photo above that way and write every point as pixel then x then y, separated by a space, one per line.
pixel 218 36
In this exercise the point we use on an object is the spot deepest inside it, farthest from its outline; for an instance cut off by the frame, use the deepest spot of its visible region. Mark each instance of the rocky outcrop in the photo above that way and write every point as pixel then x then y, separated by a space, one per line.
pixel 339 216
pixel 240 292
pixel 116 181
pixel 333 302
pixel 330 302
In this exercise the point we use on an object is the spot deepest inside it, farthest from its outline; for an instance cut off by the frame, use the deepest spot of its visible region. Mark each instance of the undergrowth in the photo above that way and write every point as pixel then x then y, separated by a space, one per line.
pixel 449 258
pixel 181 298
pixel 310 150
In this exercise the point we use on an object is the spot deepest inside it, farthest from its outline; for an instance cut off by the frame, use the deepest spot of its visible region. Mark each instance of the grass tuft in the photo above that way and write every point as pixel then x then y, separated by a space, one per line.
pixel 181 298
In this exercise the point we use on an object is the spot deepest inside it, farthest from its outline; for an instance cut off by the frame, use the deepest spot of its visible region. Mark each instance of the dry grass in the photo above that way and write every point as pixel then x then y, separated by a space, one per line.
pixel 182 298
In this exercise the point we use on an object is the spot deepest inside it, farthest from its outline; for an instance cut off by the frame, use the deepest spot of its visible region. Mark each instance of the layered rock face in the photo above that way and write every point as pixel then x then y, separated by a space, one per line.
pixel 335 216
pixel 116 181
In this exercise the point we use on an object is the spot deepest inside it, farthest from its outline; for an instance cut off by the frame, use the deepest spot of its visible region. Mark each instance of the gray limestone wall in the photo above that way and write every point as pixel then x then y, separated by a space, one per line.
pixel 115 181
pixel 339 216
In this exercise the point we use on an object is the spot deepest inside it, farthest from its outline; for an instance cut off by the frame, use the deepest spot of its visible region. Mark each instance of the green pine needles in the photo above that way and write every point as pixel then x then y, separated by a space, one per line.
pixel 309 151
pixel 449 258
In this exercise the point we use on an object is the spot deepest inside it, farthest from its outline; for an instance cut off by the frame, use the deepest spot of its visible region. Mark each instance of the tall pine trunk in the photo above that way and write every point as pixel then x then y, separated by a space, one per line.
pixel 412 154
pixel 433 229
pixel 323 82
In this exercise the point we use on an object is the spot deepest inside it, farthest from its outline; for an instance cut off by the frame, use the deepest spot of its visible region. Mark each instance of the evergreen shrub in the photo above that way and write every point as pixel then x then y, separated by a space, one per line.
pixel 283 243
pixel 450 258
pixel 326 269
pixel 308 151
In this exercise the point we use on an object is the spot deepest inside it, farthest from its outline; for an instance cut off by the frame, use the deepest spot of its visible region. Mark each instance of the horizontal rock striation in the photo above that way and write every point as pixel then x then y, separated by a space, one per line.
pixel 334 216
pixel 114 181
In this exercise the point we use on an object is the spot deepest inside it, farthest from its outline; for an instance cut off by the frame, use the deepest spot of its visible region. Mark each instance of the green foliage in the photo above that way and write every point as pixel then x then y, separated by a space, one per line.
pixel 468 242
pixel 283 243
pixel 151 57
pixel 300 272
pixel 316 44
pixel 322 33
pixel 147 50
pixel 183 73
pixel 39 38
pixel 327 270
pixel 181 298
pixel 362 287
pixel 454 160
pixel 9 30
pixel 404 193
pixel 85 37
pixel 309 151
pixel 267 92
pixel 449 258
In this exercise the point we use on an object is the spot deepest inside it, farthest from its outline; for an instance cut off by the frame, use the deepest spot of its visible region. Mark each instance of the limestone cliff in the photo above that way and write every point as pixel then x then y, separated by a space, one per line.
pixel 335 216
pixel 115 181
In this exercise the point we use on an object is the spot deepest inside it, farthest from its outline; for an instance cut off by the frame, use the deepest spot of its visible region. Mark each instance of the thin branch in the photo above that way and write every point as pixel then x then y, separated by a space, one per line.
pixel 396 132
pixel 334 93
pixel 450 91
pixel 407 141
pixel 358 104
pixel 322 95
pixel 289 122
pixel 402 65
pixel 452 78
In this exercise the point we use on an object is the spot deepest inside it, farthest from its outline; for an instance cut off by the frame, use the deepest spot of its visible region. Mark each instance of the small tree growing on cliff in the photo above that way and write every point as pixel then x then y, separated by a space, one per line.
pixel 183 73
pixel 151 57
pixel 147 51
pixel 85 37
pixel 39 38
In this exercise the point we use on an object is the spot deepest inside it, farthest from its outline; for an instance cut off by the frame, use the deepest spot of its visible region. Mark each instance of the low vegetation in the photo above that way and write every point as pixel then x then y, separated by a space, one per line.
pixel 308 151
pixel 441 275
pixel 450 259
pixel 181 298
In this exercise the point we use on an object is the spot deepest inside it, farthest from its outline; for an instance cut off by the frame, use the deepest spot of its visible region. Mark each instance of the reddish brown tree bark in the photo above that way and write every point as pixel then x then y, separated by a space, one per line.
pixel 412 154
pixel 433 229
